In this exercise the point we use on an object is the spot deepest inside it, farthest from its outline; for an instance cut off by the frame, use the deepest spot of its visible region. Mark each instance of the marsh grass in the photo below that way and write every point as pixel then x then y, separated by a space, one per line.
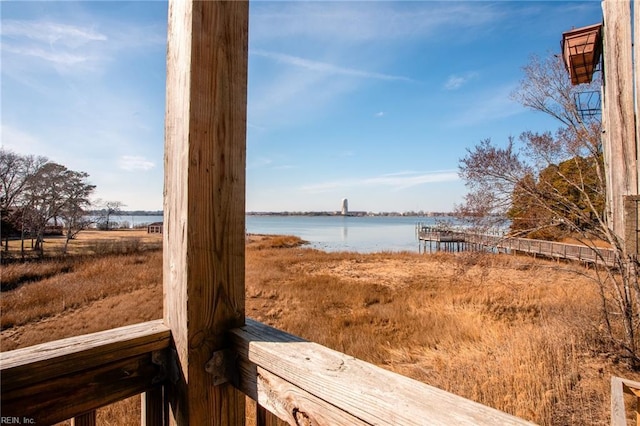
pixel 518 334
pixel 89 241
pixel 510 332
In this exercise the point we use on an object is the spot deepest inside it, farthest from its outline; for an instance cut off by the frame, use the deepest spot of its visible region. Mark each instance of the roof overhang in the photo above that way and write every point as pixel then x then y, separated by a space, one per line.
pixel 581 50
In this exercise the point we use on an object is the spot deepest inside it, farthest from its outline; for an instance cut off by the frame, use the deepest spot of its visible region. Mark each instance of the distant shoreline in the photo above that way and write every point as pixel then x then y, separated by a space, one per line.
pixel 353 214
pixel 129 212
pixel 287 213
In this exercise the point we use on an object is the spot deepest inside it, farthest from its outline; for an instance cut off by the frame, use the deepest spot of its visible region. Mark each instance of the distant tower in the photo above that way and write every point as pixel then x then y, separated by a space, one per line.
pixel 345 207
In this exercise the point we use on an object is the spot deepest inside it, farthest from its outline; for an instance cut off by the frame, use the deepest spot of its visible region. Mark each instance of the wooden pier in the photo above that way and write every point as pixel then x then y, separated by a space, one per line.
pixel 443 239
pixel 456 240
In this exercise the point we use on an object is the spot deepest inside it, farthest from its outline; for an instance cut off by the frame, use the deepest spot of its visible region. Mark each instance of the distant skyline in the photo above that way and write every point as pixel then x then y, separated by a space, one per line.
pixel 371 101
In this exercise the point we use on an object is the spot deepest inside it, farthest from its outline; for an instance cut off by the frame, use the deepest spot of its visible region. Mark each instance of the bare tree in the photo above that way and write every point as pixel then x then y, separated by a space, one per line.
pixel 552 184
pixel 15 172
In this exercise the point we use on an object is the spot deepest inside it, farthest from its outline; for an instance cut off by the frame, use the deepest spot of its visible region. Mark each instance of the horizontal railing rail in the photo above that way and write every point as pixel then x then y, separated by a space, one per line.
pixel 298 381
pixel 619 387
pixel 63 379
pixel 303 382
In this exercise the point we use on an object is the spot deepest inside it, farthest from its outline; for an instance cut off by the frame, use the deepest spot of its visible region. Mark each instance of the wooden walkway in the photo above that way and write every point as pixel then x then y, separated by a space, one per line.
pixel 449 240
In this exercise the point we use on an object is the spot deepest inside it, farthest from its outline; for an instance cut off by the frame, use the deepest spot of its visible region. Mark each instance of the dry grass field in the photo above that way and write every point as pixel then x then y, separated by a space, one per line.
pixel 518 334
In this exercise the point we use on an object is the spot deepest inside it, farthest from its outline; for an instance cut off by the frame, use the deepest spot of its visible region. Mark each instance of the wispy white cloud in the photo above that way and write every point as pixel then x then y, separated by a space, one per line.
pixel 456 81
pixel 286 167
pixel 324 67
pixel 379 114
pixel 397 181
pixel 268 163
pixel 58 44
pixel 291 96
pixel 56 57
pixel 362 21
pixel 133 163
pixel 255 126
pixel 259 163
pixel 66 46
pixel 50 32
pixel 493 103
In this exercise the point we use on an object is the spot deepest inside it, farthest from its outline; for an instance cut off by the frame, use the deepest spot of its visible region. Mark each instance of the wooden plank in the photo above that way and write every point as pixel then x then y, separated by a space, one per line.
pixel 619 141
pixel 63 397
pixel 39 363
pixel 630 386
pixel 86 419
pixel 204 199
pixel 618 413
pixel 286 401
pixel 361 390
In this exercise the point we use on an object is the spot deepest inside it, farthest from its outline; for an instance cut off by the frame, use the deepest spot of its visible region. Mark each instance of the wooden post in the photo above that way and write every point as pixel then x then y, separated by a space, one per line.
pixel 619 137
pixel 152 407
pixel 636 80
pixel 203 259
pixel 87 419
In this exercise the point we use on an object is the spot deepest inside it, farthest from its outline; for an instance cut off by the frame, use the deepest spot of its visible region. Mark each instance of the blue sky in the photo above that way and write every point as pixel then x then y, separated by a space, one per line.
pixel 373 101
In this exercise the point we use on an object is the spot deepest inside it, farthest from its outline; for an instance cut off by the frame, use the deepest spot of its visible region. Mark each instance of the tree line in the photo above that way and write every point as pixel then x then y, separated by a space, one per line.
pixel 39 196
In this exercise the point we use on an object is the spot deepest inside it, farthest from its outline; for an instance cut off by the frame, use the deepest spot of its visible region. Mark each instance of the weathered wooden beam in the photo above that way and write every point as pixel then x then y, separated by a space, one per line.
pixel 618 412
pixel 38 363
pixel 636 81
pixel 306 383
pixel 55 381
pixel 619 137
pixel 64 397
pixel 204 200
pixel 276 397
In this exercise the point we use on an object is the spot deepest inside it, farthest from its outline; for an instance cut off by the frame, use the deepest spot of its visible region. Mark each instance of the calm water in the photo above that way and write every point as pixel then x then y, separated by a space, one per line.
pixel 338 233
pixel 330 233
pixel 131 221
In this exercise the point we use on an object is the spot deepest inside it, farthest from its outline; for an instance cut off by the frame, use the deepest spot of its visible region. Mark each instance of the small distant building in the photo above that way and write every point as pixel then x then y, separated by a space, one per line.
pixel 154 228
pixel 345 207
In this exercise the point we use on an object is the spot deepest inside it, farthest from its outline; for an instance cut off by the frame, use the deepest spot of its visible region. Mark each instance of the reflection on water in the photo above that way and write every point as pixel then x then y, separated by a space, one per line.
pixel 345 233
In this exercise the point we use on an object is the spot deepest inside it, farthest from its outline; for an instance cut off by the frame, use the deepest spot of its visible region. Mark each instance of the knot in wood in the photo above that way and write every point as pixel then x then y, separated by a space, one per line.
pixel 301 418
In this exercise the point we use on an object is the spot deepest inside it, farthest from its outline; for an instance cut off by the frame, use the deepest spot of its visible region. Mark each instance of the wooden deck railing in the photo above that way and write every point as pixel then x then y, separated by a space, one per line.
pixel 306 383
pixel 620 387
pixel 299 381
pixel 63 379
